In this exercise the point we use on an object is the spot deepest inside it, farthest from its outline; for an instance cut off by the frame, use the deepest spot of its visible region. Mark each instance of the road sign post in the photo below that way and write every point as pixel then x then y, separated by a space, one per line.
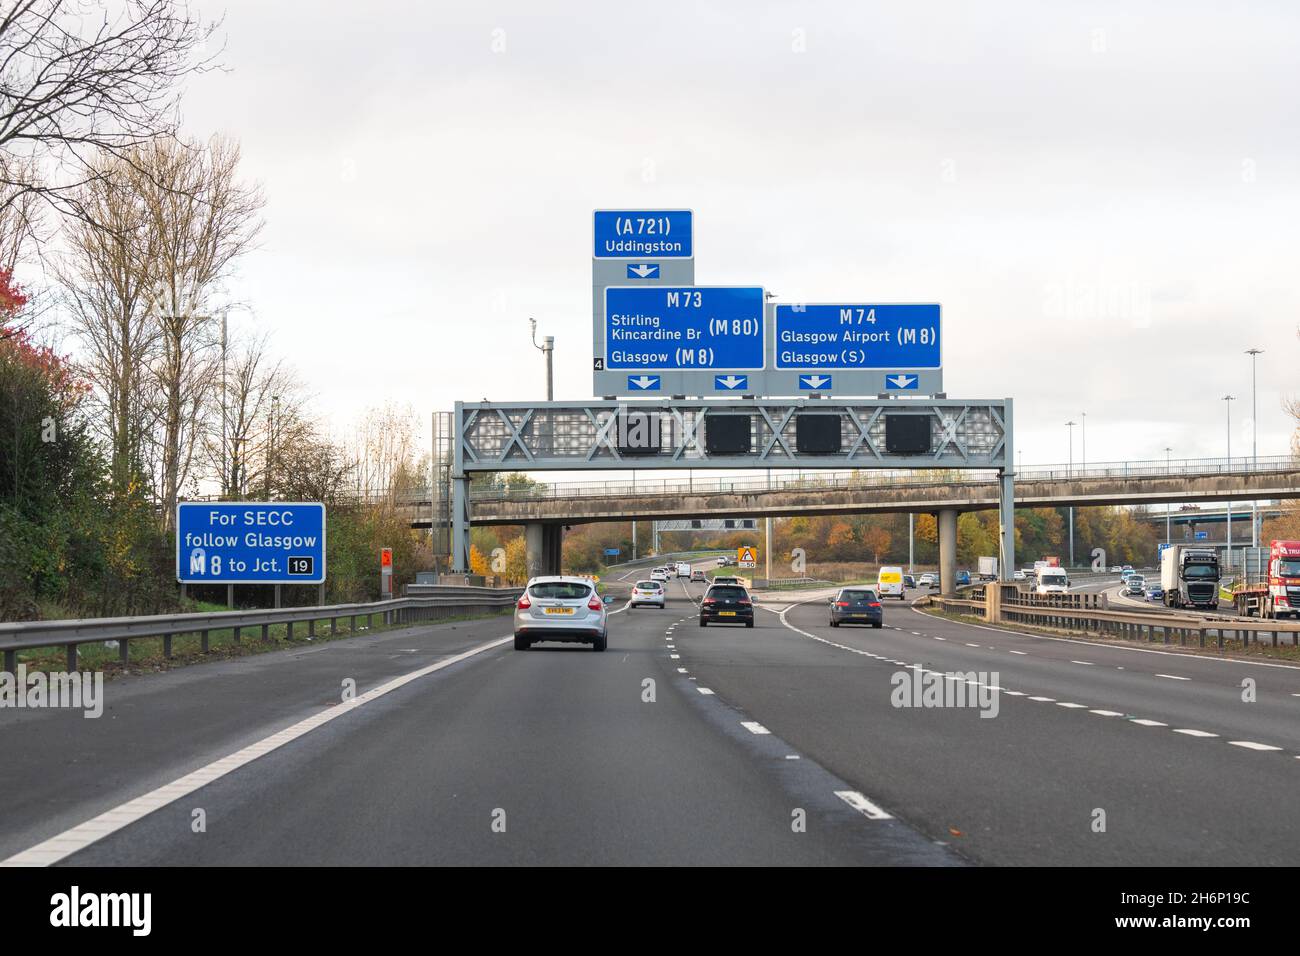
pixel 856 349
pixel 639 248
pixel 678 340
pixel 385 574
pixel 245 542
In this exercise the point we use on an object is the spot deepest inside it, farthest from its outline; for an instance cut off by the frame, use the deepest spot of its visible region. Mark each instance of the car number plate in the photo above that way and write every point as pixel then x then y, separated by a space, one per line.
pixel 559 610
pixel 726 614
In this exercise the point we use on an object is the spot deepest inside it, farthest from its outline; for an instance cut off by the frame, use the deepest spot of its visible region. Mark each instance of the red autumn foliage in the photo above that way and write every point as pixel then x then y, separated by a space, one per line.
pixel 54 368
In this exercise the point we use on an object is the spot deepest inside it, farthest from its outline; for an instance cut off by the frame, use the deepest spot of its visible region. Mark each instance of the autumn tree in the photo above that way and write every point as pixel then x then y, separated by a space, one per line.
pixel 877 541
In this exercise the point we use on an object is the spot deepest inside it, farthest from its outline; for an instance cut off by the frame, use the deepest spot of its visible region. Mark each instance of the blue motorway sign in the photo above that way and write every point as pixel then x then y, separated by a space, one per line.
pixel 888 337
pixel 1202 535
pixel 684 327
pixel 246 542
pixel 643 234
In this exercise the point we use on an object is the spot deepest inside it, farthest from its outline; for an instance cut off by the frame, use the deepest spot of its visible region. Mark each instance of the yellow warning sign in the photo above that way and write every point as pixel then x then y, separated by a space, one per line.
pixel 747 557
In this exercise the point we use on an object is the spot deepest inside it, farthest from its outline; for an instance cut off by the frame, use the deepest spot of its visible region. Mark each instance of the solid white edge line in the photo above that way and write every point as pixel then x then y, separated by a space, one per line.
pixel 864 806
pixel 77 838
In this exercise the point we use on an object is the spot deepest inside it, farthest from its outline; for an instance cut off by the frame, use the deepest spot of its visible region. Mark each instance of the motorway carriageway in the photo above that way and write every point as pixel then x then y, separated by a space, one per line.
pixel 454 730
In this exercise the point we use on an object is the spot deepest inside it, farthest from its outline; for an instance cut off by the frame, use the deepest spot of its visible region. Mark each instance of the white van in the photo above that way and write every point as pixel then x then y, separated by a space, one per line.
pixel 1052 581
pixel 889 583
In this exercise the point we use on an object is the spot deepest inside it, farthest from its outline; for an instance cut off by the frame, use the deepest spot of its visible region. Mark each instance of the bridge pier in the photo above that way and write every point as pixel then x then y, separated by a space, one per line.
pixel 948 552
pixel 544 545
pixel 1007 526
pixel 459 523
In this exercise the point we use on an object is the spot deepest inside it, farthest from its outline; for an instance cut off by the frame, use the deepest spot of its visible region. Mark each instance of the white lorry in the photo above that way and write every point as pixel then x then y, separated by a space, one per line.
pixel 988 568
pixel 683 569
pixel 1190 577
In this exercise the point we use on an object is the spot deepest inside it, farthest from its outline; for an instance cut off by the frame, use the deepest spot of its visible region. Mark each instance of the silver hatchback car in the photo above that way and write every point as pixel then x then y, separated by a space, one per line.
pixel 560 608
pixel 649 593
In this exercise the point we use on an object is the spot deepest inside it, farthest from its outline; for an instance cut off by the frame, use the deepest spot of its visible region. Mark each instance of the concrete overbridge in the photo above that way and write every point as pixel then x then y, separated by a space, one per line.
pixel 545 509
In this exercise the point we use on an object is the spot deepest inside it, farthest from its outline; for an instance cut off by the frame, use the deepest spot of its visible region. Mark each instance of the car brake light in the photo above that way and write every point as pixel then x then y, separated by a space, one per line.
pixel 524 604
pixel 594 604
pixel 710 601
pixel 874 604
pixel 841 603
pixel 743 603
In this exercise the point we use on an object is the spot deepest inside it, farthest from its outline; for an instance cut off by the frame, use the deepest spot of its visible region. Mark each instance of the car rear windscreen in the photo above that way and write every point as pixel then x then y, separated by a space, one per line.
pixel 648 585
pixel 560 591
pixel 728 592
pixel 858 596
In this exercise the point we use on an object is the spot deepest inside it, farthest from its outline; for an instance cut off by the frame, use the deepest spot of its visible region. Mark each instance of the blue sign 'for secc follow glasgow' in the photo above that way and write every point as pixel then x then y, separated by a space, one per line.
pixel 250 542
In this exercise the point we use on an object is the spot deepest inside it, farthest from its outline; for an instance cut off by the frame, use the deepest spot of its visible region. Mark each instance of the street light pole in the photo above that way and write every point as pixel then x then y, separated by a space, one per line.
pixel 224 397
pixel 1168 505
pixel 1227 403
pixel 1254 446
pixel 547 348
pixel 1069 473
pixel 1083 441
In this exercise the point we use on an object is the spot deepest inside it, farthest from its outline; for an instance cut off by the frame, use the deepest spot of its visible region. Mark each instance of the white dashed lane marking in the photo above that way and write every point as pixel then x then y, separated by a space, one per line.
pixel 1143 722
pixel 754 727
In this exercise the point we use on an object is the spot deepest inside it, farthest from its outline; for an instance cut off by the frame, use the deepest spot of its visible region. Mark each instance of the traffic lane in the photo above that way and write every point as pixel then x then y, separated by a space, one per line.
pixel 1178 690
pixel 558 748
pixel 1125 602
pixel 61 768
pixel 1019 788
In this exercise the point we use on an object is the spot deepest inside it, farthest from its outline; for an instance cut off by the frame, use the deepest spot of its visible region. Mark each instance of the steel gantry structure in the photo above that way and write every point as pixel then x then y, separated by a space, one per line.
pixel 737 434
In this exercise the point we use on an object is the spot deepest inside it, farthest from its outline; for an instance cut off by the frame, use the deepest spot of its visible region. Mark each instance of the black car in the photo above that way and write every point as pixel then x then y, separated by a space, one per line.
pixel 727 604
pixel 857 606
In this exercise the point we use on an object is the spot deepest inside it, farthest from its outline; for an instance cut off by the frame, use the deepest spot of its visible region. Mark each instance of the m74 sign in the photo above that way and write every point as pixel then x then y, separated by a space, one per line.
pixel 246 542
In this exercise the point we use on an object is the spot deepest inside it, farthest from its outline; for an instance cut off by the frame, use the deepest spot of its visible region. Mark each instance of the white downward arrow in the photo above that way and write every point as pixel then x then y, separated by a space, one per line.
pixel 816 381
pixel 731 381
pixel 901 381
pixel 645 381
pixel 643 271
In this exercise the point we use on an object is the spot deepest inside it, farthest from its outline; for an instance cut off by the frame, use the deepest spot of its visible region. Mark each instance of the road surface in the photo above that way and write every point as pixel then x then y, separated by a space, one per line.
pixel 773 745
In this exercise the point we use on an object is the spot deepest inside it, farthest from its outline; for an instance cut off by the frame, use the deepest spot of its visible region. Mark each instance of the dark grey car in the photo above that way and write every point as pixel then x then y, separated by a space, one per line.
pixel 857 606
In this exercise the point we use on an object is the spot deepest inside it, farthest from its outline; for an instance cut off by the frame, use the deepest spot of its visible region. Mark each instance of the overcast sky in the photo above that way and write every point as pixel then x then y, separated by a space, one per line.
pixel 1105 197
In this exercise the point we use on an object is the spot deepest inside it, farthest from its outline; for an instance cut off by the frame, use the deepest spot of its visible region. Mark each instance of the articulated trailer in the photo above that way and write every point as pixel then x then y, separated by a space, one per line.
pixel 1273 590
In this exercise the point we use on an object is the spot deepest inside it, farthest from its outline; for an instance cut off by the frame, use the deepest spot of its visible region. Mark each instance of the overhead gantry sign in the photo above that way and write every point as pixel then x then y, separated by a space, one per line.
pixel 735 434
